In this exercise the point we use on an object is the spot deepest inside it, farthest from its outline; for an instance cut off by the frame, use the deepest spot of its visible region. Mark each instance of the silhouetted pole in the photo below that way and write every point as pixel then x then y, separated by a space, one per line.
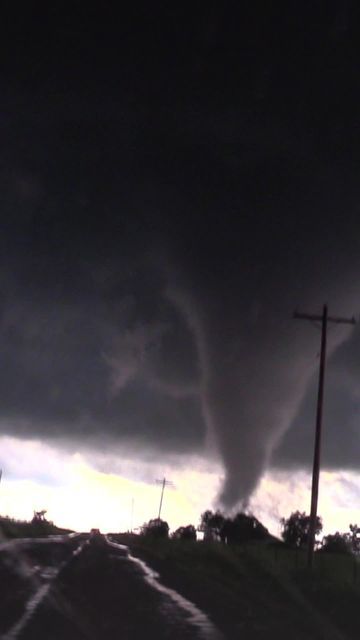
pixel 324 318
pixel 164 483
pixel 132 515
pixel 316 462
pixel 161 497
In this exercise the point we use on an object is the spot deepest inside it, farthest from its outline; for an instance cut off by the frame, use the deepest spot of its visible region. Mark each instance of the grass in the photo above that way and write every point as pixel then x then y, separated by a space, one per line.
pixel 11 528
pixel 260 591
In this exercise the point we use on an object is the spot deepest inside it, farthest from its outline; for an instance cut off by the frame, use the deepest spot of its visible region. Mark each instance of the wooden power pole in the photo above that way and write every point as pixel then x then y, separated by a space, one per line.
pixel 164 483
pixel 324 319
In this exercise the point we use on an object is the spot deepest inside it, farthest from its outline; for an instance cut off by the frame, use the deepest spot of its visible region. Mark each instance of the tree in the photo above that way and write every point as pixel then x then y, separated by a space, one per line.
pixel 336 543
pixel 211 524
pixel 155 528
pixel 296 528
pixel 185 533
pixel 243 528
pixel 355 537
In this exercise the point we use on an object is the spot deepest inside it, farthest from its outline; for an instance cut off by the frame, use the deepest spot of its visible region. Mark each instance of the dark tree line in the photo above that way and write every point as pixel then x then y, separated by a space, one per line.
pixel 158 528
pixel 295 533
pixel 244 528
pixel 215 526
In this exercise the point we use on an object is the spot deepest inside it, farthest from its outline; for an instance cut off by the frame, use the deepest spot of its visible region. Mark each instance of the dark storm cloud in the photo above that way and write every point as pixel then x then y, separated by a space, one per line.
pixel 165 208
pixel 80 355
pixel 341 442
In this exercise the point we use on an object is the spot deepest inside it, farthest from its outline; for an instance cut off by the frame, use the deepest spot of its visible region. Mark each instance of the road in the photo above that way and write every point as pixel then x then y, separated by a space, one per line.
pixel 78 587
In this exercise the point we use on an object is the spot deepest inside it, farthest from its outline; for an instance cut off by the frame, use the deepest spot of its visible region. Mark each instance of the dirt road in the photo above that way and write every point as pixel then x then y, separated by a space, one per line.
pixel 89 588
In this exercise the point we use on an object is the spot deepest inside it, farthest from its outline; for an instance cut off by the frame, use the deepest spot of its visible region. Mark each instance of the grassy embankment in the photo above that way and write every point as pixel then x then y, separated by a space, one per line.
pixel 20 565
pixel 260 591
pixel 11 528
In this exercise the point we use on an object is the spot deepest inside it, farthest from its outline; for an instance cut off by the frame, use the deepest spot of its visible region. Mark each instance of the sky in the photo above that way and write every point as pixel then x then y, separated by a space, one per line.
pixel 175 182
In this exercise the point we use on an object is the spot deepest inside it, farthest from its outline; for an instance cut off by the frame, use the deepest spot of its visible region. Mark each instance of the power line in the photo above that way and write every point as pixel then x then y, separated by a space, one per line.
pixel 325 319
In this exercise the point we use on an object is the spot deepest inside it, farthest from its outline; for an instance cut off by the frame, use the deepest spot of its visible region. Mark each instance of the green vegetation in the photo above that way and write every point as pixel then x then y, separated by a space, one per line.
pixel 11 528
pixel 260 589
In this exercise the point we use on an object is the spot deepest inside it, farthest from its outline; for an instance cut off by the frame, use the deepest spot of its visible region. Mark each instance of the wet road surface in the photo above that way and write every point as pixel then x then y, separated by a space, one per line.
pixel 93 589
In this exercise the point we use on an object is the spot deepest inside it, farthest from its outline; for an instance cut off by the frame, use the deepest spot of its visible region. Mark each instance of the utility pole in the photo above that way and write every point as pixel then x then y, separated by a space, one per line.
pixel 132 515
pixel 164 483
pixel 324 319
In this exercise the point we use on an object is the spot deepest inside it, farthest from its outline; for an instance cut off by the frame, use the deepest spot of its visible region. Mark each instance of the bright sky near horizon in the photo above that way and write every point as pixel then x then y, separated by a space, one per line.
pixel 78 496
